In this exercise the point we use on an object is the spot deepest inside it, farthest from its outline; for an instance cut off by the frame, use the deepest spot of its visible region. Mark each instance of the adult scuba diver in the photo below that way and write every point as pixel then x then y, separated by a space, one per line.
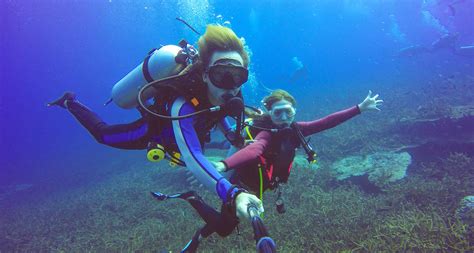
pixel 266 161
pixel 192 92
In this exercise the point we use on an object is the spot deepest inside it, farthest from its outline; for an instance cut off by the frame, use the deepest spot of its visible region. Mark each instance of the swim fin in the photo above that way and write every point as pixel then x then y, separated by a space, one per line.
pixel 193 244
pixel 68 96
pixel 159 195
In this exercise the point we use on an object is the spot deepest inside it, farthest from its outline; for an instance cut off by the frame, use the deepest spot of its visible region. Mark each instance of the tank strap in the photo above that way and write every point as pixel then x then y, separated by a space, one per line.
pixel 145 71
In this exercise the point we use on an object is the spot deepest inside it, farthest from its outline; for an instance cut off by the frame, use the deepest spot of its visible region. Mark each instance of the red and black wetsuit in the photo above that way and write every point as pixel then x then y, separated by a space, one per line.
pixel 274 152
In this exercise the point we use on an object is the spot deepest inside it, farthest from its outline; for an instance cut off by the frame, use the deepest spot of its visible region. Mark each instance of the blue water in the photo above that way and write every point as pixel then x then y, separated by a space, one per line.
pixel 347 47
pixel 326 53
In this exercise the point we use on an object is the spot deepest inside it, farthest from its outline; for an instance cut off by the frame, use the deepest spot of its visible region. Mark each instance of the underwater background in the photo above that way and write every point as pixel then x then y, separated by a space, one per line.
pixel 394 180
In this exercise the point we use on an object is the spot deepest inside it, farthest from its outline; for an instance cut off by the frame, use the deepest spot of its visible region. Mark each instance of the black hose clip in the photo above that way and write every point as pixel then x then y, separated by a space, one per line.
pixel 311 155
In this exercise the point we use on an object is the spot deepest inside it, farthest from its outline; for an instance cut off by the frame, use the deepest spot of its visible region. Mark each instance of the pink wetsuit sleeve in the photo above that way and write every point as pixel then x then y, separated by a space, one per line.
pixel 250 152
pixel 332 120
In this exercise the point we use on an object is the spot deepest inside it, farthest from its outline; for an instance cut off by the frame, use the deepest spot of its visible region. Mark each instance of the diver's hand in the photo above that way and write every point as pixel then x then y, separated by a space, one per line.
pixel 242 201
pixel 220 166
pixel 370 103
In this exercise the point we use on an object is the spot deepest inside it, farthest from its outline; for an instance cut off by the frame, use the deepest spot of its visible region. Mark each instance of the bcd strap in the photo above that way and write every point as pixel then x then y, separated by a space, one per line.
pixel 145 71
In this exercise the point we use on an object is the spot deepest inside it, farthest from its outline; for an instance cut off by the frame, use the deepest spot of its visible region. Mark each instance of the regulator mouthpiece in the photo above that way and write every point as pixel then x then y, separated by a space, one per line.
pixel 234 106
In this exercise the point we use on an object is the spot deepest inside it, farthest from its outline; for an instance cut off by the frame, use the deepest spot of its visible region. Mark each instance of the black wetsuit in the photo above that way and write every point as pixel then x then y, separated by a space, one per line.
pixel 186 136
pixel 223 223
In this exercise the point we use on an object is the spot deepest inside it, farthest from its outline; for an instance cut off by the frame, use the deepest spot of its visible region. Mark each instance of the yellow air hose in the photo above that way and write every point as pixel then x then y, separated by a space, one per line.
pixel 259 171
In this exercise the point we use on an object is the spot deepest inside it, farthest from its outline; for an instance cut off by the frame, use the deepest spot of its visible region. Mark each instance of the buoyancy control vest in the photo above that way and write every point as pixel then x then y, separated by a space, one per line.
pixel 274 165
pixel 165 74
pixel 189 85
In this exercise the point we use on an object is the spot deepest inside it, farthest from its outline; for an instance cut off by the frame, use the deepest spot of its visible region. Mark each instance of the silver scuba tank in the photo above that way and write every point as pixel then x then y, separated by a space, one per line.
pixel 159 63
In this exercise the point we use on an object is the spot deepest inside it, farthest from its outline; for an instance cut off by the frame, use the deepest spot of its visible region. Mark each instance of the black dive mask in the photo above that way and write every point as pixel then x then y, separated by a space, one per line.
pixel 227 76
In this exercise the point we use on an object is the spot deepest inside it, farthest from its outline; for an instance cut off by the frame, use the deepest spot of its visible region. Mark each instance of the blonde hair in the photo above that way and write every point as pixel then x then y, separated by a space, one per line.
pixel 220 38
pixel 276 96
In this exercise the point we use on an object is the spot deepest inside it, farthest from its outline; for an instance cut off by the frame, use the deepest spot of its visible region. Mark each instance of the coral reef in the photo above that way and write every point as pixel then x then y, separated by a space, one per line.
pixel 110 210
pixel 465 211
pixel 117 214
pixel 300 162
pixel 381 167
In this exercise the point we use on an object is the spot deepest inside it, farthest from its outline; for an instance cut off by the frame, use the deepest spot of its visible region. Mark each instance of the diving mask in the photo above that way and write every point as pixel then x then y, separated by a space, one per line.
pixel 283 112
pixel 228 76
